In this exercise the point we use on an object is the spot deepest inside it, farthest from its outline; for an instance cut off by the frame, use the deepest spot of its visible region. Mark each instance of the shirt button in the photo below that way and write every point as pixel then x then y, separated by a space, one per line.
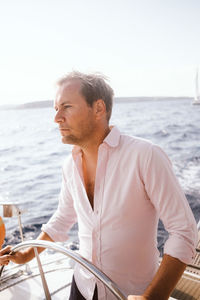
pixel 98 262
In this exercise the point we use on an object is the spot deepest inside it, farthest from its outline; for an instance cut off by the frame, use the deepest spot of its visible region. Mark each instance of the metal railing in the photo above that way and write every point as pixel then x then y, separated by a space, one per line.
pixel 76 257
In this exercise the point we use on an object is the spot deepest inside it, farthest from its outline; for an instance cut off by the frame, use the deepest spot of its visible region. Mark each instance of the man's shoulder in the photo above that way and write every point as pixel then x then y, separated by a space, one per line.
pixel 139 146
pixel 142 150
pixel 136 143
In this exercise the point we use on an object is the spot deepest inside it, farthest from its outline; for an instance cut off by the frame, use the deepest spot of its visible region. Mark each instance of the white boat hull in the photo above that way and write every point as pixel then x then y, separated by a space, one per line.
pixel 196 103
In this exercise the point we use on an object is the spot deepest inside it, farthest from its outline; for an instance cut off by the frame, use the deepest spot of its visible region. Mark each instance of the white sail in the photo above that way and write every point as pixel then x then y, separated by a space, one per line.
pixel 197 92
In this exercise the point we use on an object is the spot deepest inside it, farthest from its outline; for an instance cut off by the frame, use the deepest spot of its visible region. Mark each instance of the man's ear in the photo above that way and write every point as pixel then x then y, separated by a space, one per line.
pixel 99 109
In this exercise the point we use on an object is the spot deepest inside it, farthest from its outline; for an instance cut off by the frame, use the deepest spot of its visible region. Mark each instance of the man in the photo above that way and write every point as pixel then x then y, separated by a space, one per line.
pixel 116 187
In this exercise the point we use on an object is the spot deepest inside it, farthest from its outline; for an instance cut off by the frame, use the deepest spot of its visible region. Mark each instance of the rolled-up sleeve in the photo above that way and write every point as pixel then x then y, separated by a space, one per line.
pixel 167 196
pixel 63 218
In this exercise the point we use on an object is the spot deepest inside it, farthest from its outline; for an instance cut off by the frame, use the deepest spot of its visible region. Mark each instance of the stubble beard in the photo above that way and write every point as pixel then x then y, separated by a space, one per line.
pixel 85 135
pixel 70 139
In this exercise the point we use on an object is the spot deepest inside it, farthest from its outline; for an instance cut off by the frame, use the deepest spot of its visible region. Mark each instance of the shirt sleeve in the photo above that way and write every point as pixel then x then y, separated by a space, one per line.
pixel 173 209
pixel 63 218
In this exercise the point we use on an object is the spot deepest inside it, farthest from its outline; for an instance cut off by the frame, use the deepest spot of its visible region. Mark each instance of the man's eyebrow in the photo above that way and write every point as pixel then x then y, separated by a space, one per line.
pixel 62 103
pixel 65 102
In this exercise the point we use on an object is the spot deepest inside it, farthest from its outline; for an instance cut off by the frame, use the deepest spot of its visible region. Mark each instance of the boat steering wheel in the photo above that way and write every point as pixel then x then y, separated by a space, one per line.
pixel 76 257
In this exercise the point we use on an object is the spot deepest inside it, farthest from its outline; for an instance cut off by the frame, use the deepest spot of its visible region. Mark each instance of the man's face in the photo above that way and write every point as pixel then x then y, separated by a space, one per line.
pixel 74 116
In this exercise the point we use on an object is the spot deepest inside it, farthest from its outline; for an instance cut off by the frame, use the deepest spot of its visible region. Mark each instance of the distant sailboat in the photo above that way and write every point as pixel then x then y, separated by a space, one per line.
pixel 197 92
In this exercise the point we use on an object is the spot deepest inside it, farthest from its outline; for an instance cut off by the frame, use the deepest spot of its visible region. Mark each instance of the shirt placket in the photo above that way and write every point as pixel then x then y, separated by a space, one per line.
pixel 98 203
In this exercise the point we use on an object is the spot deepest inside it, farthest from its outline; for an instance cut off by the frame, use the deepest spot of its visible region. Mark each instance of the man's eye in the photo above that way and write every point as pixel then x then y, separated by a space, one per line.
pixel 67 106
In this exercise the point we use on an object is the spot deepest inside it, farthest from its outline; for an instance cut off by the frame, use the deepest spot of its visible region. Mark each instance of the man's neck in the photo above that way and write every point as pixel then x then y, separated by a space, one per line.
pixel 90 151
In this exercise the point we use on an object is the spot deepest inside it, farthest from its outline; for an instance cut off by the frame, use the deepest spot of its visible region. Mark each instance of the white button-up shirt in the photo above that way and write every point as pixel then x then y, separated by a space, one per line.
pixel 134 187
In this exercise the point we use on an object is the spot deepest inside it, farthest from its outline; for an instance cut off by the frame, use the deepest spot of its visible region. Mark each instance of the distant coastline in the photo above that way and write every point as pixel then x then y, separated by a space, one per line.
pixel 29 105
pixel 49 103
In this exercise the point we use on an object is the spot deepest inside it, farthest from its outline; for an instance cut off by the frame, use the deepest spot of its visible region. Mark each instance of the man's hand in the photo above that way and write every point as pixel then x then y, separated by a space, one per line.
pixel 6 255
pixel 3 257
pixel 22 257
pixel 132 297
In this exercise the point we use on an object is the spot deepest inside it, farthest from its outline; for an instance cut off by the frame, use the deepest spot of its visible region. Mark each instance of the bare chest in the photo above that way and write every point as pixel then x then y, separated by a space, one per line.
pixel 89 186
pixel 89 174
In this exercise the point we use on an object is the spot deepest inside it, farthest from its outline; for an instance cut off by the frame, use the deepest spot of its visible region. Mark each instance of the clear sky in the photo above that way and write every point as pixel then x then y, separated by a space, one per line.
pixel 145 47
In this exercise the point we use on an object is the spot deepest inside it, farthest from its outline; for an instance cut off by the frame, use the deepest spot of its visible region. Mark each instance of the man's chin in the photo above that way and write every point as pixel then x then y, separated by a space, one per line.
pixel 67 140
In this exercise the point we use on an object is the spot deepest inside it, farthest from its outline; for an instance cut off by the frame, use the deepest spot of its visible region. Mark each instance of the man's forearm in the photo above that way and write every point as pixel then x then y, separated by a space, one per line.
pixel 166 278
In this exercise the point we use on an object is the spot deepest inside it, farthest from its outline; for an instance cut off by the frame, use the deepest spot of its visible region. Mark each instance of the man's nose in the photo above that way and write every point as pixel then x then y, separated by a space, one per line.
pixel 58 117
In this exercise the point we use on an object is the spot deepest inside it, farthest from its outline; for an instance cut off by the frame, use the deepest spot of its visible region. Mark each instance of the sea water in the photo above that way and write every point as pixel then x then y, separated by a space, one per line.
pixel 31 156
